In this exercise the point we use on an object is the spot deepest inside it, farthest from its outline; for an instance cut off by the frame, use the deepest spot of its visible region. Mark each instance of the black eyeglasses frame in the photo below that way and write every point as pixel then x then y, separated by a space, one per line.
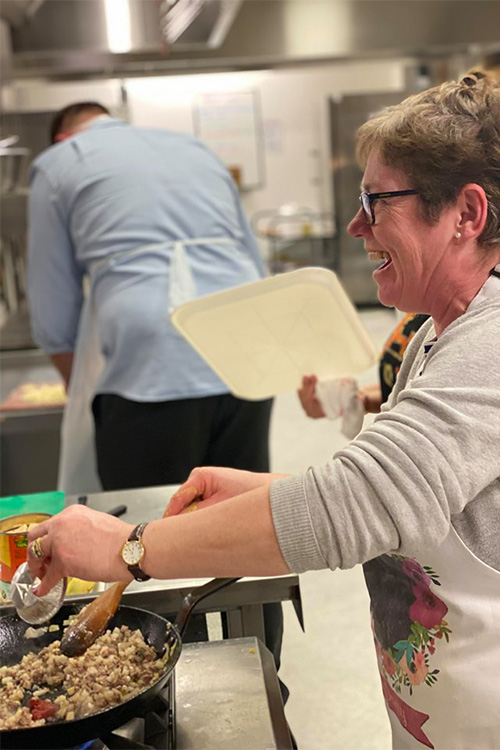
pixel 368 211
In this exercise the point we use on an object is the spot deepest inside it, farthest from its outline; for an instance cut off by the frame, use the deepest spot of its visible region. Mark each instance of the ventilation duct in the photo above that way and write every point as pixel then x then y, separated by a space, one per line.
pixel 71 38
pixel 191 23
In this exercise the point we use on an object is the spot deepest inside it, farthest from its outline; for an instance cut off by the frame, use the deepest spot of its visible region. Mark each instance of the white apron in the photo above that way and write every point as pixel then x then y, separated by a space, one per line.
pixel 436 624
pixel 77 462
pixel 441 673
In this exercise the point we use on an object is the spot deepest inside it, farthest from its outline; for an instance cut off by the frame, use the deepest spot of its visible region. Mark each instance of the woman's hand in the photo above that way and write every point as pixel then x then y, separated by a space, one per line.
pixel 307 396
pixel 371 398
pixel 78 542
pixel 212 484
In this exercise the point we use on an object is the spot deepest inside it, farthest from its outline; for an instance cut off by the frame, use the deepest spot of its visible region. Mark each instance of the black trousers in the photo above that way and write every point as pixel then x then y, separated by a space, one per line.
pixel 156 443
pixel 148 444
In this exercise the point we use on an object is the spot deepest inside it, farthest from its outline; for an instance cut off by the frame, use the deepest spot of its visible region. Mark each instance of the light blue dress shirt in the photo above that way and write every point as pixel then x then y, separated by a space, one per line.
pixel 107 191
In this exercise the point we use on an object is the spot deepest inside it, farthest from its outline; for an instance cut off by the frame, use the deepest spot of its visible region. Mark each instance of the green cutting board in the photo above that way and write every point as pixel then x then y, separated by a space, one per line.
pixel 41 502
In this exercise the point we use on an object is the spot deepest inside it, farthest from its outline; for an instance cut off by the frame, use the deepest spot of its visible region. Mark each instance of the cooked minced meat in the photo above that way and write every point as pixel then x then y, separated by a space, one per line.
pixel 49 686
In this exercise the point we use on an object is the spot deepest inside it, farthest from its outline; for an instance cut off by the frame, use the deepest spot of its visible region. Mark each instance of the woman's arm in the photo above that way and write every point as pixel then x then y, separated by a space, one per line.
pixel 209 485
pixel 397 486
pixel 234 538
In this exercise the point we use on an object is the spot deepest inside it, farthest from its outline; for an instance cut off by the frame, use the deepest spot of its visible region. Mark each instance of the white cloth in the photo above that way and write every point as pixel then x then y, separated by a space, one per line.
pixel 338 398
pixel 77 460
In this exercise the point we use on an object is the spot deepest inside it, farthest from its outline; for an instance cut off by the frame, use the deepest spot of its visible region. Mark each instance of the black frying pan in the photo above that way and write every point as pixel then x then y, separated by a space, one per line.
pixel 157 632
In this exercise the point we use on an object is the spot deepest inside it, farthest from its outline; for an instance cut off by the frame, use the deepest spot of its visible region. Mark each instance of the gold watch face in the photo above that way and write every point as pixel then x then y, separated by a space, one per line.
pixel 132 552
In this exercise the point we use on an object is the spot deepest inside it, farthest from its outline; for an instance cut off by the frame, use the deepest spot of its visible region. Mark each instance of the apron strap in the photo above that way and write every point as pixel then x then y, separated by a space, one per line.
pixel 113 260
pixel 181 285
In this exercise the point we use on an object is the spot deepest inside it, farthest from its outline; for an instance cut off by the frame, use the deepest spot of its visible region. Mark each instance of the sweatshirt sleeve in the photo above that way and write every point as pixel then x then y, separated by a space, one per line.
pixel 54 276
pixel 397 485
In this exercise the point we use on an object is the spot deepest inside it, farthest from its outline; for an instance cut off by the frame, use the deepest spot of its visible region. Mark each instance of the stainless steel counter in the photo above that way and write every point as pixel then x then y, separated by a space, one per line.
pixel 227 697
pixel 26 366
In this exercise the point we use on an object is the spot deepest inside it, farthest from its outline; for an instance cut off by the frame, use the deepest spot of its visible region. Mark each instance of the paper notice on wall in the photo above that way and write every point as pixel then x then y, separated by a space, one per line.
pixel 229 123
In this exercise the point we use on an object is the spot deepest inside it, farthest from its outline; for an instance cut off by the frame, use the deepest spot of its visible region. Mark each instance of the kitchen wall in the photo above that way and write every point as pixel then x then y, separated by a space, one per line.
pixel 37 96
pixel 293 115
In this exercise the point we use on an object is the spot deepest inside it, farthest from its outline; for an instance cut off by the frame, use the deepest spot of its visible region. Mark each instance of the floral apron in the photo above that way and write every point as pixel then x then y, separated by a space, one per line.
pixel 436 625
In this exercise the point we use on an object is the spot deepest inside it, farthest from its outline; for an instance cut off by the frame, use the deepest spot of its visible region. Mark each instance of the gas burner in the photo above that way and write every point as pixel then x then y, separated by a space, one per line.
pixel 154 731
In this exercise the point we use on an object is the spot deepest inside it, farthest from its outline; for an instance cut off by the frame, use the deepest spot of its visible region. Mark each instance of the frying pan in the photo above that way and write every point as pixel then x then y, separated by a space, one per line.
pixel 157 632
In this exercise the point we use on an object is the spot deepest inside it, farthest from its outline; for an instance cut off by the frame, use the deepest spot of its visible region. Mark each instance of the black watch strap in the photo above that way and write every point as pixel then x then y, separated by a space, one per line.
pixel 135 536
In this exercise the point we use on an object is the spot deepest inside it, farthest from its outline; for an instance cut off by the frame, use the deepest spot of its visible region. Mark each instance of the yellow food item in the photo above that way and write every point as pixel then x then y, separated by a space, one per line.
pixel 78 586
pixel 43 393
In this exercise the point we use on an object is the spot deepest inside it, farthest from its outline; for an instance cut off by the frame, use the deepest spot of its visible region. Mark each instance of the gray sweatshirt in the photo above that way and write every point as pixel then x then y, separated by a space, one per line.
pixel 431 458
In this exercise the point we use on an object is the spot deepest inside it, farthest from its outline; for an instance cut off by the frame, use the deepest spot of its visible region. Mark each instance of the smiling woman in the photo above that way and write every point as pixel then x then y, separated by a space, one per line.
pixel 416 496
pixel 439 138
pixel 441 158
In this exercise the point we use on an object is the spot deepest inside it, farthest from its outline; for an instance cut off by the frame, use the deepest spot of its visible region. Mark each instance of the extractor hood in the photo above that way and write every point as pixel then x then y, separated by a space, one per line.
pixel 191 24
pixel 48 27
pixel 18 12
pixel 75 38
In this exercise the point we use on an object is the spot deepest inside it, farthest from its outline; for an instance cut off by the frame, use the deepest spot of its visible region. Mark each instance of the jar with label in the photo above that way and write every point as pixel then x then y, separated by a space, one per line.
pixel 14 547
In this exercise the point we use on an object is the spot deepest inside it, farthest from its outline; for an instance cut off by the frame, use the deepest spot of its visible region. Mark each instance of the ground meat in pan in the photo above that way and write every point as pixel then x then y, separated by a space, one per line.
pixel 117 666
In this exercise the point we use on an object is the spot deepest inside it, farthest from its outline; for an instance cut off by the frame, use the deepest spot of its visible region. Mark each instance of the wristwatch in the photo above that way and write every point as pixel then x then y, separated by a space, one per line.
pixel 133 551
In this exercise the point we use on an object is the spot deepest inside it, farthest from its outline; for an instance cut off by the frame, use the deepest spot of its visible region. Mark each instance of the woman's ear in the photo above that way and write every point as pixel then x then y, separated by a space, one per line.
pixel 472 206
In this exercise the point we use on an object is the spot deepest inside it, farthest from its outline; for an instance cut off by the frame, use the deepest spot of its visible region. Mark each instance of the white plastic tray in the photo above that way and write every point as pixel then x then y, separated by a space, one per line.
pixel 261 338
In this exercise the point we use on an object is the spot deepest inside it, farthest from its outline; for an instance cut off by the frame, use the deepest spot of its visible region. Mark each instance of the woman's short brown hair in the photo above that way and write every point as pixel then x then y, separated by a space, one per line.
pixel 442 139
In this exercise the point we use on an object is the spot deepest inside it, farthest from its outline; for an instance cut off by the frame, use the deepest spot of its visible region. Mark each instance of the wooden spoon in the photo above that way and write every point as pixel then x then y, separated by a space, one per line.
pixel 92 620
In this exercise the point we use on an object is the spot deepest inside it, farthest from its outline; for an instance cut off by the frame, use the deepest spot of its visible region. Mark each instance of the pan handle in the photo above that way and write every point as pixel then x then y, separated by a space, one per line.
pixel 194 597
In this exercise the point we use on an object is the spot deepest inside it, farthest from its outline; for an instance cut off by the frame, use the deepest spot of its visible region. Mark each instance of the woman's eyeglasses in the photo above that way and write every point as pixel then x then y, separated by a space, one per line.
pixel 367 200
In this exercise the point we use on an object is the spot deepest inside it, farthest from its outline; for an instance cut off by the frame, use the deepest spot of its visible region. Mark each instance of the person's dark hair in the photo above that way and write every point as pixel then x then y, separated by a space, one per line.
pixel 442 139
pixel 64 119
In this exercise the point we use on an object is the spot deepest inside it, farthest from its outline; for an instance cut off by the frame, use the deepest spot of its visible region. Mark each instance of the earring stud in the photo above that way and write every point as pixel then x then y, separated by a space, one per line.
pixel 458 235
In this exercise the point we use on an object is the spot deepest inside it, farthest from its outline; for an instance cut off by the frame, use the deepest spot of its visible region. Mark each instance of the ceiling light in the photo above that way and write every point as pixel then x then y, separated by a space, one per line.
pixel 118 25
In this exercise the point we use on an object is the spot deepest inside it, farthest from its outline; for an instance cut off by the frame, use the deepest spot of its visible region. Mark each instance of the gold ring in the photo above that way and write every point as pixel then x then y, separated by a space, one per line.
pixel 36 549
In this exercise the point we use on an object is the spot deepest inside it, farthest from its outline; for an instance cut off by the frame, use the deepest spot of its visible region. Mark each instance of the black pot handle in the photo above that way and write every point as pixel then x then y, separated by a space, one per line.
pixel 194 597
